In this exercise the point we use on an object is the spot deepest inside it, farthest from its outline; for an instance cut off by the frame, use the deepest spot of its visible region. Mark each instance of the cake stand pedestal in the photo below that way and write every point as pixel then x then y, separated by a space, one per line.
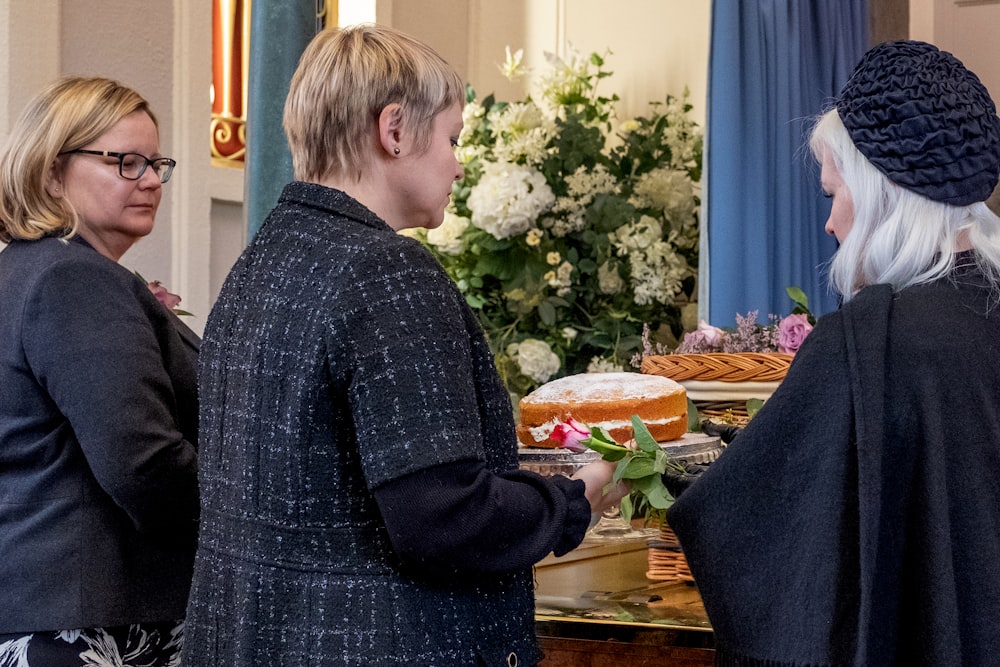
pixel 610 526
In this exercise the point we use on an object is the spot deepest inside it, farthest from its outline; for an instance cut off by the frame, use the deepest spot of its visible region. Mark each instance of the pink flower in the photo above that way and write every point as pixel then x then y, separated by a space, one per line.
pixel 705 338
pixel 711 335
pixel 792 330
pixel 571 434
pixel 162 295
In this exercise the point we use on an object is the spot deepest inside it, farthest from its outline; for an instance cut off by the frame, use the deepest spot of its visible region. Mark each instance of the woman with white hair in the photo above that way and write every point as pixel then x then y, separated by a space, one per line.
pixel 856 519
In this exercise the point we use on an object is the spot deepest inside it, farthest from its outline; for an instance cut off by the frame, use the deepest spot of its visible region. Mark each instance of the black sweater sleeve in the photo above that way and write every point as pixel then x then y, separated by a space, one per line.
pixel 461 517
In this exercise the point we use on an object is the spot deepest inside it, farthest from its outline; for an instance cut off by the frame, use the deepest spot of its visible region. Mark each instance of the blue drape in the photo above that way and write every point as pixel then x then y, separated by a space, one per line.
pixel 774 66
pixel 279 32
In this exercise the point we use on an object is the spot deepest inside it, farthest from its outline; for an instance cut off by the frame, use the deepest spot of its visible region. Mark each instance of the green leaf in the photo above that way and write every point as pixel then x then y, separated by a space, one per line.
pixel 626 509
pixel 753 406
pixel 642 436
pixel 798 296
pixel 694 417
pixel 547 313
pixel 654 492
pixel 637 467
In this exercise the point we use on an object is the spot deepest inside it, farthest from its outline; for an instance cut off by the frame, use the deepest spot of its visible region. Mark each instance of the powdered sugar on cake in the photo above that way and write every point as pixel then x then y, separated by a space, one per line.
pixel 603 386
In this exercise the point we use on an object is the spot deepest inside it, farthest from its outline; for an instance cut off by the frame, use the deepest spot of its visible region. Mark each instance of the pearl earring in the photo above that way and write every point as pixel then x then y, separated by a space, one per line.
pixel 396 150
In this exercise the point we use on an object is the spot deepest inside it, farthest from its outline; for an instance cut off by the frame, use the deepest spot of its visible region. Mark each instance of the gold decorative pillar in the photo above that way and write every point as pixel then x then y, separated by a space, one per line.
pixel 230 59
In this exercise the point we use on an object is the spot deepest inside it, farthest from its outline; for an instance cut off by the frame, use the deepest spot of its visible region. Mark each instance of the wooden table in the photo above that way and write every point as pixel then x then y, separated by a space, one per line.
pixel 596 608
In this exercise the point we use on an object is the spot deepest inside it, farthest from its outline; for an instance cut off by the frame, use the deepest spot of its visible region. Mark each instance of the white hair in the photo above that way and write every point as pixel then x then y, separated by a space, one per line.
pixel 899 237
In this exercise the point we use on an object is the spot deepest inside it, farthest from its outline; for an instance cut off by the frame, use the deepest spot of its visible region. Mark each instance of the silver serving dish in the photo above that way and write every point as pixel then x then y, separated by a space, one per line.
pixel 690 448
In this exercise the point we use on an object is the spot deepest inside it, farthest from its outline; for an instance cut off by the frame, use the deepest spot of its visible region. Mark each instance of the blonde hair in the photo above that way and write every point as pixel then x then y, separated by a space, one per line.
pixel 69 114
pixel 345 78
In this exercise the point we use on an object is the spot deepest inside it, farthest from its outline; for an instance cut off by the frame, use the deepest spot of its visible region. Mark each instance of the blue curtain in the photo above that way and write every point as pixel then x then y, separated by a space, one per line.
pixel 774 66
pixel 279 32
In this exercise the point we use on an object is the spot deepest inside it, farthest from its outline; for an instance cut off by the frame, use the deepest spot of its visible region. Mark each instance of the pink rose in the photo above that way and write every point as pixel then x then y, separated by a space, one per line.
pixel 571 435
pixel 792 330
pixel 710 335
pixel 705 338
pixel 162 295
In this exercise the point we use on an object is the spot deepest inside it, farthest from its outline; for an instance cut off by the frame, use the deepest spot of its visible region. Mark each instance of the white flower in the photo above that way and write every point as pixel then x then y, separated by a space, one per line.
pixel 656 274
pixel 669 190
pixel 508 199
pixel 534 237
pixel 447 237
pixel 512 68
pixel 637 235
pixel 609 280
pixel 553 258
pixel 535 359
pixel 629 126
pixel 522 133
pixel 598 365
pixel 569 333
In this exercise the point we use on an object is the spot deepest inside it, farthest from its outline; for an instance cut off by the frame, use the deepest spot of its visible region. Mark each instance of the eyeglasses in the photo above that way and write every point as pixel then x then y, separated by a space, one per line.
pixel 132 166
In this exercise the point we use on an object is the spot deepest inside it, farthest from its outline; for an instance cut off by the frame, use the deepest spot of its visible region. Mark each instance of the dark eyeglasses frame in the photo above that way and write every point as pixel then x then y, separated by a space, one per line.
pixel 155 162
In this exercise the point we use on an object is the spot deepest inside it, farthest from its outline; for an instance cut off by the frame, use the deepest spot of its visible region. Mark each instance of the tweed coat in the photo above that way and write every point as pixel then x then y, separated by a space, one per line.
pixel 340 357
pixel 98 425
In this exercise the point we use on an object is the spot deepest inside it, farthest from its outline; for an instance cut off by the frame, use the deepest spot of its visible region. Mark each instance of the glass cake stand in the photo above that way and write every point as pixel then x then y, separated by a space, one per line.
pixel 690 448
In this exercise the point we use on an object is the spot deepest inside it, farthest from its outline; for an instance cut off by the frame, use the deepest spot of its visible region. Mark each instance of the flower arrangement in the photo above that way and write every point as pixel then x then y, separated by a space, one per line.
pixel 781 334
pixel 571 231
pixel 642 465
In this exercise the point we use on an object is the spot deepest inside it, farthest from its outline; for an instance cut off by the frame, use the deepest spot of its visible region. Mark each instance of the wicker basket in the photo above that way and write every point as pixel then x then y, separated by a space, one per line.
pixel 743 375
pixel 666 560
pixel 722 367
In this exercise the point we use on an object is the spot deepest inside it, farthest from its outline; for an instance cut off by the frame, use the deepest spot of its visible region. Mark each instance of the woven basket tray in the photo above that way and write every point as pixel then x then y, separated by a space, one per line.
pixel 666 560
pixel 720 367
pixel 697 372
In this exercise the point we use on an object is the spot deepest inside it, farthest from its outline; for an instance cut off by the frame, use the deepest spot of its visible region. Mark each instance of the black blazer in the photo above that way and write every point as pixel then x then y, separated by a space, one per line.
pixel 98 432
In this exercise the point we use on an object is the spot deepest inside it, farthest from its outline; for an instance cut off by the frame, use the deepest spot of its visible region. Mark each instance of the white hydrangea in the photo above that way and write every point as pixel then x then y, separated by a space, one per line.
pixel 508 199
pixel 598 365
pixel 447 237
pixel 669 190
pixel 535 359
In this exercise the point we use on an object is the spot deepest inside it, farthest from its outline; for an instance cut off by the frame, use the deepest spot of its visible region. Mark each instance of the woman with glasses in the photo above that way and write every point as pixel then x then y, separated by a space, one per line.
pixel 98 405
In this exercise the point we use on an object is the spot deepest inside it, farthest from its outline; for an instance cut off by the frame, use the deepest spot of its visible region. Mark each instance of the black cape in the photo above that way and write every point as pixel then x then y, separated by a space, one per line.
pixel 856 520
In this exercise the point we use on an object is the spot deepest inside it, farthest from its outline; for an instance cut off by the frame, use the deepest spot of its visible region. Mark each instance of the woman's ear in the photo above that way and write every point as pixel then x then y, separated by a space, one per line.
pixel 390 129
pixel 54 179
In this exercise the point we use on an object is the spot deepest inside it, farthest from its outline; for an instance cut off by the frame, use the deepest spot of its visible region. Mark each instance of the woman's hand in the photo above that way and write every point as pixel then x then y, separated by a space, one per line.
pixel 597 476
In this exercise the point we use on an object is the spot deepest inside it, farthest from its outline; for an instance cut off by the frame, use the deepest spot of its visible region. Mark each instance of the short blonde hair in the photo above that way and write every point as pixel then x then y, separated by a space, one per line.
pixel 69 114
pixel 345 78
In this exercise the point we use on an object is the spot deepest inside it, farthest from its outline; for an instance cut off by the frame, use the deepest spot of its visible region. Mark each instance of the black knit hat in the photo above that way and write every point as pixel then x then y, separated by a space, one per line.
pixel 925 121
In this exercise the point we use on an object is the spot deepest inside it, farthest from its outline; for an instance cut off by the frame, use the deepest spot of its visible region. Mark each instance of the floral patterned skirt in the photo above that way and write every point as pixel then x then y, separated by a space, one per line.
pixel 140 645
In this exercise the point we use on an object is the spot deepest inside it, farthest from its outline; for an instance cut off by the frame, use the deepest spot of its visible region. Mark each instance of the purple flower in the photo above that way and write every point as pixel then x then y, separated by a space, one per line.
pixel 792 330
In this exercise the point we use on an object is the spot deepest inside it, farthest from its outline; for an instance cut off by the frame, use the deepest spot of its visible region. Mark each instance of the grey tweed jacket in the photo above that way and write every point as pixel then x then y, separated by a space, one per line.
pixel 319 383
